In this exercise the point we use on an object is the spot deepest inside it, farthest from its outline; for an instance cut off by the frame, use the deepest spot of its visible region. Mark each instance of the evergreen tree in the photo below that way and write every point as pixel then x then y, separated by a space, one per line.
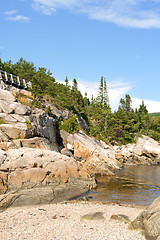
pixel 143 119
pixel 75 84
pixel 120 126
pixel 128 103
pixel 100 97
pixel 105 94
pixel 125 104
pixel 66 82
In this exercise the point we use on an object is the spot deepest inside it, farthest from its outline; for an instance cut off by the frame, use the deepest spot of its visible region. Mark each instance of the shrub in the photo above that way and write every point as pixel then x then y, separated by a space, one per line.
pixel 70 125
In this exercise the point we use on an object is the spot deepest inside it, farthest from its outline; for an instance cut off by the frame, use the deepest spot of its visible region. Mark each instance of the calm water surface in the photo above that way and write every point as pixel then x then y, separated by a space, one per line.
pixel 133 185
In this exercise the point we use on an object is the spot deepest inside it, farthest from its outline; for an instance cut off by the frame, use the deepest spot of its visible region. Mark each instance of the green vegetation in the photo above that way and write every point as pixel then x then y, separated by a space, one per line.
pixel 157 114
pixel 29 125
pixel 2 121
pixel 121 126
pixel 70 125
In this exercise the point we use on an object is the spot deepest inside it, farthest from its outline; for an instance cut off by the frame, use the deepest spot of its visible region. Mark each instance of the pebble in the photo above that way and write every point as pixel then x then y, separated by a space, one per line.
pixel 63 222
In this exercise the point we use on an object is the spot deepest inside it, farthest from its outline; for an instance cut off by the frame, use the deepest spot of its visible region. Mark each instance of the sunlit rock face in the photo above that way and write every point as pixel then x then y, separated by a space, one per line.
pixel 95 155
pixel 41 175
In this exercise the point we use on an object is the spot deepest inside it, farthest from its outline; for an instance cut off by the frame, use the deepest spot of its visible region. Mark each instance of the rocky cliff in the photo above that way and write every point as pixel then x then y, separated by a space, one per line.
pixel 31 168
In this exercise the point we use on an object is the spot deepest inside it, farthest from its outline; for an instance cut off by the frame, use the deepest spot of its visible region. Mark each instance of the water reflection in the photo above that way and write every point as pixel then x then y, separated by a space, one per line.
pixel 132 185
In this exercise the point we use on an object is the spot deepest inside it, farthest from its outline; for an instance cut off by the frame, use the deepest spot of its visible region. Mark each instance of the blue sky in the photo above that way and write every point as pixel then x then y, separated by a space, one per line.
pixel 87 39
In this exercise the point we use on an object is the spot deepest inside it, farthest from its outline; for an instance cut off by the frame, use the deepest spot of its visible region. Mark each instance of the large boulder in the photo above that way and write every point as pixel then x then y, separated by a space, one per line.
pixel 149 221
pixel 38 174
pixel 147 146
pixel 96 155
pixel 146 151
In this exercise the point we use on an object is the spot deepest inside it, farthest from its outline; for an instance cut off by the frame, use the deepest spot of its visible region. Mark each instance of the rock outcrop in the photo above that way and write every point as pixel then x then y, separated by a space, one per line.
pixel 95 155
pixel 149 221
pixel 31 169
pixel 20 122
pixel 34 176
pixel 60 114
pixel 145 151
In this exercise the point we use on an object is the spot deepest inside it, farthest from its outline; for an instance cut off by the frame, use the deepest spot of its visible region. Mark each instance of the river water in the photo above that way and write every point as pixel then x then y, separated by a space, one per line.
pixel 138 185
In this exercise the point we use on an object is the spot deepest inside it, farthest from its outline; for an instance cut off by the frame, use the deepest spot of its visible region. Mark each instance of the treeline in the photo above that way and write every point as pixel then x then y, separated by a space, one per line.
pixel 120 126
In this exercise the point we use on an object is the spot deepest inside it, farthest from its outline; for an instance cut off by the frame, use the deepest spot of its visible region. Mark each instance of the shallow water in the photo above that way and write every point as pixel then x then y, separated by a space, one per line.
pixel 133 185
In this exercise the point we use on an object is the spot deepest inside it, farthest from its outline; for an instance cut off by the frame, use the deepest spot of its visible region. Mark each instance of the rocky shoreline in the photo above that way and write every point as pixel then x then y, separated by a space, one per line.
pixel 36 170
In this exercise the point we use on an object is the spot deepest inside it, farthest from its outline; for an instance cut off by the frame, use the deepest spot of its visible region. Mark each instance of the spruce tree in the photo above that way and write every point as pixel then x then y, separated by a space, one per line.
pixel 66 82
pixel 100 97
pixel 105 94
pixel 75 84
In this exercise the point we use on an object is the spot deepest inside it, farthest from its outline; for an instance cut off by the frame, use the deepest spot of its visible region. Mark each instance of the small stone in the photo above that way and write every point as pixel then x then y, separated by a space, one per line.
pixel 121 218
pixel 93 216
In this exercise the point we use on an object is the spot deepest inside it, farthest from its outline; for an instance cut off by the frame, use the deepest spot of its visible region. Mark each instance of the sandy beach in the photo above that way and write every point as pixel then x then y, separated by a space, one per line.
pixel 62 221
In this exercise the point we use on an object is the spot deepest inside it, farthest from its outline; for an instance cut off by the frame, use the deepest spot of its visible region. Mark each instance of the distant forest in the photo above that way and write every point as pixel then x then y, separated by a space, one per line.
pixel 156 114
pixel 120 127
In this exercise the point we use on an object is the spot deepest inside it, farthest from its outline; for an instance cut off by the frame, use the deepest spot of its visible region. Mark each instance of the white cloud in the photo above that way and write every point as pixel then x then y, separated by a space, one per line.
pixel 13 16
pixel 125 13
pixel 19 18
pixel 152 106
pixel 11 12
pixel 116 91
pixel 48 7
pixel 43 8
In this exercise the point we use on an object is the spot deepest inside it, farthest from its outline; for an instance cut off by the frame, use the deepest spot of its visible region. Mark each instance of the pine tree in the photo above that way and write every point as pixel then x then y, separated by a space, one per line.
pixel 105 94
pixel 103 98
pixel 66 82
pixel 128 103
pixel 125 103
pixel 100 97
pixel 75 84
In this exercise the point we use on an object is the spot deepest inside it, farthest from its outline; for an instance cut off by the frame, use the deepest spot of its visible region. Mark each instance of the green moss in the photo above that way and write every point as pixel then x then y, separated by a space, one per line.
pixel 2 122
pixel 29 125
